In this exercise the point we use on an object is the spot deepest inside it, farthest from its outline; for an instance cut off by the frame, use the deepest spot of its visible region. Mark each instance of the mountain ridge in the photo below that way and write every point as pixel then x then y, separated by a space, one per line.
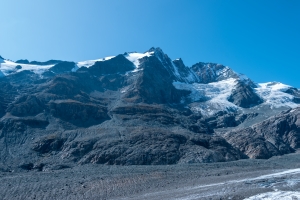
pixel 136 108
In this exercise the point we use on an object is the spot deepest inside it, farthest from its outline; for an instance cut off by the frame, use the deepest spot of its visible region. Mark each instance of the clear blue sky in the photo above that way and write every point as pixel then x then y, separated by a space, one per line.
pixel 258 38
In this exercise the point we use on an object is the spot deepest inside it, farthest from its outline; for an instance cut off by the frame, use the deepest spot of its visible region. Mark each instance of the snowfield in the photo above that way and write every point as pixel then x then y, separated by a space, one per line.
pixel 8 67
pixel 273 93
pixel 134 57
pixel 89 63
pixel 213 97
pixel 277 195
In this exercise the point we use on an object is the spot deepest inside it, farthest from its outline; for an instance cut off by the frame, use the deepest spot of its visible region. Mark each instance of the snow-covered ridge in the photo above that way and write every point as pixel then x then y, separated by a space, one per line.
pixel 89 63
pixel 274 95
pixel 213 97
pixel 134 57
pixel 7 67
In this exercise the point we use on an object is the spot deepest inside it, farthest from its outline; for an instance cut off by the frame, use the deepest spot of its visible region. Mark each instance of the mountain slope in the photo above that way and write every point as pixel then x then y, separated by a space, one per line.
pixel 137 108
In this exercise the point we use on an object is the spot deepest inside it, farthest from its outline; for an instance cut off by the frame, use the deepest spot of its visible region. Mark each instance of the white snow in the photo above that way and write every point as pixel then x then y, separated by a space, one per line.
pixel 134 57
pixel 274 94
pixel 279 174
pixel 8 67
pixel 216 94
pixel 276 195
pixel 89 63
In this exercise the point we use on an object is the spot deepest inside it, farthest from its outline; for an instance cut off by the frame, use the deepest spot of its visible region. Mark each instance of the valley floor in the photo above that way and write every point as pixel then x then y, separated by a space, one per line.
pixel 276 178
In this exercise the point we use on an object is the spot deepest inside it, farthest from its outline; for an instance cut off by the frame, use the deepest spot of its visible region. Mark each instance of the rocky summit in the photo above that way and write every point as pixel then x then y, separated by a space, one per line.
pixel 140 109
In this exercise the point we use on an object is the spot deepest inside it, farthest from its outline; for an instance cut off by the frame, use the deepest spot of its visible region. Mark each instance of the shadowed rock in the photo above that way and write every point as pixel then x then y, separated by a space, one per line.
pixel 244 96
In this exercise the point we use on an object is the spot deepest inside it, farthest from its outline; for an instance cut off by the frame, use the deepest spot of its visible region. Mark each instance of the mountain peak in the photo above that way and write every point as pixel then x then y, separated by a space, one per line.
pixel 1 61
pixel 156 50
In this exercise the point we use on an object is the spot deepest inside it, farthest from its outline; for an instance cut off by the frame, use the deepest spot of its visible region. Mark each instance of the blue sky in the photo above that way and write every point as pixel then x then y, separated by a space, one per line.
pixel 258 38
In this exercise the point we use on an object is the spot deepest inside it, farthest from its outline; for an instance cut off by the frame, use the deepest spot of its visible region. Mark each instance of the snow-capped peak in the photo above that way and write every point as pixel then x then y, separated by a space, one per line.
pixel 134 57
pixel 89 63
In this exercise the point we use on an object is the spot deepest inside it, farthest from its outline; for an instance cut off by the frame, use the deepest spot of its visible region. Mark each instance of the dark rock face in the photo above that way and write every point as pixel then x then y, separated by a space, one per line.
pixel 186 73
pixel 18 67
pixel 78 113
pixel 62 67
pixel 296 93
pixel 65 86
pixel 244 96
pixel 153 147
pixel 212 72
pixel 23 61
pixel 118 64
pixel 223 119
pixel 7 95
pixel 48 144
pixel 26 106
pixel 49 62
pixel 275 136
pixel 154 84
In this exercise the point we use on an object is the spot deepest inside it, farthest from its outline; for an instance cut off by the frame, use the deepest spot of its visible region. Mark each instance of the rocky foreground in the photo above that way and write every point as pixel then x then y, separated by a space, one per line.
pixel 229 180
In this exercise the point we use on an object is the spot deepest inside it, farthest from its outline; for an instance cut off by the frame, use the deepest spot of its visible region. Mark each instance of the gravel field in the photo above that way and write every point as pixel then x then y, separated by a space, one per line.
pixel 228 180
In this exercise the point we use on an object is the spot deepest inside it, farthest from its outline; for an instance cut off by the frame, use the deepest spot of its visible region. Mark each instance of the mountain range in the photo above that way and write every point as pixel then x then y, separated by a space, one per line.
pixel 140 109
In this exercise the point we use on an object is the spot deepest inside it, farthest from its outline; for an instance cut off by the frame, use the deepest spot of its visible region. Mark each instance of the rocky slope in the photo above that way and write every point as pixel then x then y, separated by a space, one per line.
pixel 139 109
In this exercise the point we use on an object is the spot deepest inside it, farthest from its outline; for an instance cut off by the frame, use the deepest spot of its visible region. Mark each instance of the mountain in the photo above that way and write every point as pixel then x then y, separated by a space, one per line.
pixel 139 108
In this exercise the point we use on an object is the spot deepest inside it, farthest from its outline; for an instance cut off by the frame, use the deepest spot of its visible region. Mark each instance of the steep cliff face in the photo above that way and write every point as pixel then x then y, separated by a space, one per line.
pixel 243 95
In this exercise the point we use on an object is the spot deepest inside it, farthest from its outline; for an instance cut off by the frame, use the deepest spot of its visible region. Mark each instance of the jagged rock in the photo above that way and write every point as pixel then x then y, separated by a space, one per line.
pixel 49 143
pixel 154 84
pixel 244 96
pixel 77 113
pixel 26 106
pixel 275 136
pixel 212 72
pixel 160 146
pixel 118 64
pixel 62 67
pixel 65 86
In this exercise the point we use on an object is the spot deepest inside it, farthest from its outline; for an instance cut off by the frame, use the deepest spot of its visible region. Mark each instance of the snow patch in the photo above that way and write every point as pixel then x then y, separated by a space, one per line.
pixel 89 63
pixel 215 94
pixel 8 67
pixel 273 93
pixel 282 195
pixel 134 57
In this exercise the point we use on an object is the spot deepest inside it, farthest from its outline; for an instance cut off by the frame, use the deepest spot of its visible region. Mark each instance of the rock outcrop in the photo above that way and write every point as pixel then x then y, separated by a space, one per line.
pixel 276 136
